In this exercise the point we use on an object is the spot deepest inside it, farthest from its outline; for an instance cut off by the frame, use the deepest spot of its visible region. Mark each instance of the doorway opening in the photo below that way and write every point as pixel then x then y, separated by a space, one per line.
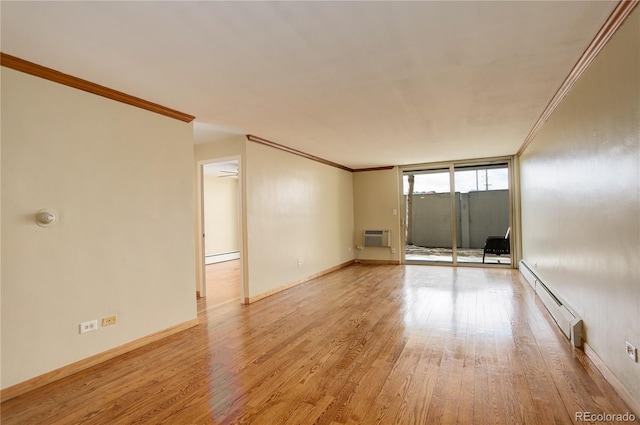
pixel 221 245
pixel 458 213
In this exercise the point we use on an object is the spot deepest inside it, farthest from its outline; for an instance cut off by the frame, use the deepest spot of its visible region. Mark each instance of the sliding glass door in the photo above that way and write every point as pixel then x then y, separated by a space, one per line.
pixel 483 196
pixel 428 216
pixel 458 213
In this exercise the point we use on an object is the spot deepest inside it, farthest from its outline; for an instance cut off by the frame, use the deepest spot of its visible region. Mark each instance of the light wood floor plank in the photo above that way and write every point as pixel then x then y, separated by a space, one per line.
pixel 368 344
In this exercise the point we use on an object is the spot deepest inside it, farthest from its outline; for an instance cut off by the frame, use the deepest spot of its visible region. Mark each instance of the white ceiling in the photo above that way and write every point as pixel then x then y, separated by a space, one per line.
pixel 362 84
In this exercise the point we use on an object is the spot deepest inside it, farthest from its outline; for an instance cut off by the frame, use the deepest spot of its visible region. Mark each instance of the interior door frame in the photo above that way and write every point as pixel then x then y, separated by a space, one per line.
pixel 514 220
pixel 200 235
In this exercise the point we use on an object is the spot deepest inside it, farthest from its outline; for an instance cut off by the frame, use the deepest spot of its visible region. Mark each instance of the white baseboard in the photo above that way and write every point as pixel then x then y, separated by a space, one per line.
pixel 219 258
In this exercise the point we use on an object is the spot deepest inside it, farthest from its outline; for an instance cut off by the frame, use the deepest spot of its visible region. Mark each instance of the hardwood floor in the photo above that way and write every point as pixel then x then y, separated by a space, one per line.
pixel 367 344
pixel 223 285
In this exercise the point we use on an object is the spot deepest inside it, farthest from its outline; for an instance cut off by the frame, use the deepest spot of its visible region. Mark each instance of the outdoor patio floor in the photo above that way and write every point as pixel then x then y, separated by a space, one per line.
pixel 444 255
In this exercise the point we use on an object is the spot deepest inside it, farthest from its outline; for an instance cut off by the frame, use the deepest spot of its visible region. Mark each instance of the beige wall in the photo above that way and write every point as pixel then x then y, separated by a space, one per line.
pixel 296 209
pixel 121 181
pixel 231 147
pixel 376 196
pixel 221 215
pixel 291 208
pixel 581 202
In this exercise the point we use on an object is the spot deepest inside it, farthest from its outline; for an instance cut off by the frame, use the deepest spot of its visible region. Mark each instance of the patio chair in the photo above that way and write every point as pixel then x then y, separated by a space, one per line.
pixel 497 245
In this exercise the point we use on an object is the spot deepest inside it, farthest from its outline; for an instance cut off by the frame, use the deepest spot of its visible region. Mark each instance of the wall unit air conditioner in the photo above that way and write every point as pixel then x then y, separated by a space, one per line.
pixel 377 238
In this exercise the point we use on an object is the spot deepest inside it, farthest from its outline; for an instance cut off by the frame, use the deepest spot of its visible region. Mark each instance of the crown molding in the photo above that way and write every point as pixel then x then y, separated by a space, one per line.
pixel 34 69
pixel 387 167
pixel 612 24
pixel 284 148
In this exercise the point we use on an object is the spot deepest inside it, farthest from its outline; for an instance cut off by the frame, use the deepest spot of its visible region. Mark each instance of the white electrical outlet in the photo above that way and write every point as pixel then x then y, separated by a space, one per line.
pixel 393 250
pixel 90 326
pixel 632 352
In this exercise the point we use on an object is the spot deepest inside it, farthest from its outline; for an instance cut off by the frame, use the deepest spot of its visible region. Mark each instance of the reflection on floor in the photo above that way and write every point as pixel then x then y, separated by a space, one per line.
pixel 223 284
pixel 367 344
pixel 444 255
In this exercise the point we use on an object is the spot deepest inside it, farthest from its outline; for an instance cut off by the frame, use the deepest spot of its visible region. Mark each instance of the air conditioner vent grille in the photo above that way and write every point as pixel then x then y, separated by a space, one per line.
pixel 379 238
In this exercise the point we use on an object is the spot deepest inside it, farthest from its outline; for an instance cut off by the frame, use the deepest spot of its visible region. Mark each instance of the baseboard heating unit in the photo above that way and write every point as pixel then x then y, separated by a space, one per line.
pixel 568 322
pixel 222 257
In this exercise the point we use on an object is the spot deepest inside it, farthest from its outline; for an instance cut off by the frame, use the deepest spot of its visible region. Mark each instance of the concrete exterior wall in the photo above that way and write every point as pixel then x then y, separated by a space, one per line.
pixel 478 215
pixel 488 216
pixel 432 220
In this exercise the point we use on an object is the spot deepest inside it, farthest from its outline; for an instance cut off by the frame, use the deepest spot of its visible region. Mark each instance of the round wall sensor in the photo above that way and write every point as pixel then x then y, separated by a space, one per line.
pixel 46 218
